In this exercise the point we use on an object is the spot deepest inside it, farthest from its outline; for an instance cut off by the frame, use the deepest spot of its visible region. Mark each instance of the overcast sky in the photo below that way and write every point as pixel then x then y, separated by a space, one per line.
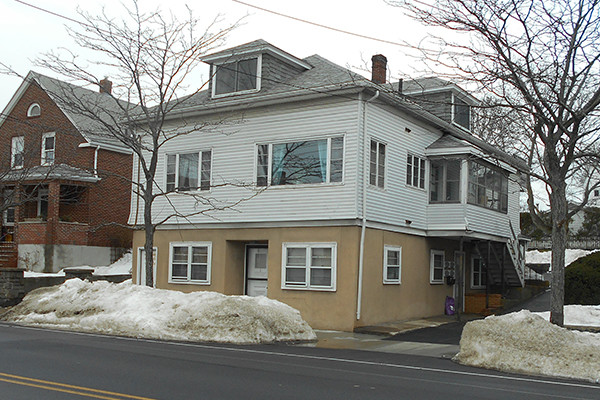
pixel 27 32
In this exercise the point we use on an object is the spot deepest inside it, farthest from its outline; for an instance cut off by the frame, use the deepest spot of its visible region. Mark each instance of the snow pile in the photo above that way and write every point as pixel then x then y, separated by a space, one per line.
pixel 523 342
pixel 139 311
pixel 120 267
pixel 545 257
pixel 578 315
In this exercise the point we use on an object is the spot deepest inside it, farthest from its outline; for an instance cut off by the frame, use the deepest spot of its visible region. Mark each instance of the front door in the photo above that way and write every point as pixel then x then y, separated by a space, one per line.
pixel 256 271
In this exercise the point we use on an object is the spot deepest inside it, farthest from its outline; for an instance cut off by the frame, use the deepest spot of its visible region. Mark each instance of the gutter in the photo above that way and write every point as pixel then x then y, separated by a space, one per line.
pixel 361 259
pixel 105 146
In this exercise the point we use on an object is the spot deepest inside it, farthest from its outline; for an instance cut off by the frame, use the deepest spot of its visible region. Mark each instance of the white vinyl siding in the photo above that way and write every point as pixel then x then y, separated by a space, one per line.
pixel 190 262
pixel 436 267
pixel 392 265
pixel 309 266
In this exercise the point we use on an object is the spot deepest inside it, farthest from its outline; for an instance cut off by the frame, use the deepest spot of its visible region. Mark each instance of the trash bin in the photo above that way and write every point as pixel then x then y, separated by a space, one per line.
pixel 449 305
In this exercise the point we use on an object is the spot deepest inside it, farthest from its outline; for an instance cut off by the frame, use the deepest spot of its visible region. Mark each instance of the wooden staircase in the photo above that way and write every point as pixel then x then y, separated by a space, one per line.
pixel 8 255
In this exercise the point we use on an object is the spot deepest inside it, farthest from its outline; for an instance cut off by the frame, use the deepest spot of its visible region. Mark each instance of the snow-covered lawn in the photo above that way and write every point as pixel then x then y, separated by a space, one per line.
pixel 524 342
pixel 544 257
pixel 138 311
pixel 120 267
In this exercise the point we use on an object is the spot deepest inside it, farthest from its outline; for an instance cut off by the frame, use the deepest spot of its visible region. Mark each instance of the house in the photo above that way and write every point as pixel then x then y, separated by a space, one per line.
pixel 65 202
pixel 373 208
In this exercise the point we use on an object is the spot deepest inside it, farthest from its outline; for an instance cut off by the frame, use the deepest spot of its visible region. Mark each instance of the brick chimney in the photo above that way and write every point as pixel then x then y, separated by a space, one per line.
pixel 105 86
pixel 379 69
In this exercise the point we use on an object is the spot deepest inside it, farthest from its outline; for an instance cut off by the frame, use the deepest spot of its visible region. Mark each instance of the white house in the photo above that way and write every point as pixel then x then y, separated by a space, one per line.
pixel 371 204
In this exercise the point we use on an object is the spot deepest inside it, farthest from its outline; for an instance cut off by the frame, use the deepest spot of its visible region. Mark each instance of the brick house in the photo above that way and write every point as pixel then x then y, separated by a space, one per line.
pixel 63 183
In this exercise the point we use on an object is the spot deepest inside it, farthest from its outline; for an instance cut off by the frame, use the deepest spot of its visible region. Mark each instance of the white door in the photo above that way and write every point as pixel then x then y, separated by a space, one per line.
pixel 141 264
pixel 256 271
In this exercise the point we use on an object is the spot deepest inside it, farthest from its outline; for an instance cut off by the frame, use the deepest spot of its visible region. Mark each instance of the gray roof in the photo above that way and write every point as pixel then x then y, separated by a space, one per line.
pixel 50 172
pixel 92 113
pixel 426 84
pixel 448 142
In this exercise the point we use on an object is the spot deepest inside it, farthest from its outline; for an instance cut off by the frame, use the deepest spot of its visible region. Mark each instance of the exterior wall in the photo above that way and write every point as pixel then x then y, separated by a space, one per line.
pixel 439 104
pixel 414 296
pixel 322 309
pixel 274 71
pixel 32 257
pixel 233 148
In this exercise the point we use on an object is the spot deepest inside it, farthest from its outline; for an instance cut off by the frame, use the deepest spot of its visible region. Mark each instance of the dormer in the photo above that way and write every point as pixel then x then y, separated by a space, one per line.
pixel 250 68
pixel 443 99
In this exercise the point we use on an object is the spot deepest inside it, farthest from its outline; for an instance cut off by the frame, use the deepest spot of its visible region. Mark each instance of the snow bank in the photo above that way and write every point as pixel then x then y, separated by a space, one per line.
pixel 578 315
pixel 120 267
pixel 523 342
pixel 545 257
pixel 139 311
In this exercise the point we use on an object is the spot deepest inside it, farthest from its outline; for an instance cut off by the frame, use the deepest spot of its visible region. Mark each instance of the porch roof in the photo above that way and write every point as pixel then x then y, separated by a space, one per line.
pixel 49 173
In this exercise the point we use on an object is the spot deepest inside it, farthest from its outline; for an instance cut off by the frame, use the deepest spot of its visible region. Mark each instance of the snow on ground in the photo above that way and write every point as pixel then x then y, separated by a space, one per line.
pixel 544 257
pixel 577 315
pixel 120 267
pixel 139 311
pixel 523 342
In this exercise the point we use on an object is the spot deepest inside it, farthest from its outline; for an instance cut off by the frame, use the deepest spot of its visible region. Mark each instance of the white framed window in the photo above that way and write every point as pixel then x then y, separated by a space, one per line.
pixel 478 273
pixel 190 262
pixel 17 150
pixel 488 187
pixel 461 113
pixel 48 148
pixel 240 76
pixel 415 171
pixel 392 264
pixel 309 266
pixel 377 164
pixel 301 162
pixel 189 171
pixel 436 266
pixel 444 181
pixel 34 110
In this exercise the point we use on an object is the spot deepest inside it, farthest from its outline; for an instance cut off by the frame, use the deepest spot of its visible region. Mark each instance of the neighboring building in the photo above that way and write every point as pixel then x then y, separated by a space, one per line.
pixel 61 179
pixel 371 205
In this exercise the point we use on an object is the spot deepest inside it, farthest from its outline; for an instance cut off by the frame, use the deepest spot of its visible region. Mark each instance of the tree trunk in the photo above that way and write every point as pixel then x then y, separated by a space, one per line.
pixel 559 242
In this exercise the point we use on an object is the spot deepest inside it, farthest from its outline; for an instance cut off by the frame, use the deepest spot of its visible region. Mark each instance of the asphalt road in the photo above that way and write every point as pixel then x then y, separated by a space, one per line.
pixel 44 364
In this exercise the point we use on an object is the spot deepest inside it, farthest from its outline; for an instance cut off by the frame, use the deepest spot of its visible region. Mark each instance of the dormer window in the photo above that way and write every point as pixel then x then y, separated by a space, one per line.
pixel 461 113
pixel 237 77
pixel 34 110
pixel 48 148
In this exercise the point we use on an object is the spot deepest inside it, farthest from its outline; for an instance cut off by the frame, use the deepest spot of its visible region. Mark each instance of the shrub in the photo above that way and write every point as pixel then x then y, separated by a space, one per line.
pixel 582 280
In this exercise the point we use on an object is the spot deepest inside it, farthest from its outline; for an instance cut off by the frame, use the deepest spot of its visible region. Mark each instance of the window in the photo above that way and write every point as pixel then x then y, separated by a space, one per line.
pixel 8 216
pixel 488 187
pixel 310 266
pixel 48 146
pixel 17 150
pixel 415 171
pixel 190 262
pixel 377 164
pixel 295 163
pixel 444 181
pixel 34 110
pixel 478 273
pixel 436 274
pixel 185 170
pixel 237 76
pixel 392 262
pixel 461 113
pixel 596 193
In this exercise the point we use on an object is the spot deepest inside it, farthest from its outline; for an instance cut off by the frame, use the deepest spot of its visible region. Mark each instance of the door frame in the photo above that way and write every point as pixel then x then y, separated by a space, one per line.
pixel 246 248
pixel 140 259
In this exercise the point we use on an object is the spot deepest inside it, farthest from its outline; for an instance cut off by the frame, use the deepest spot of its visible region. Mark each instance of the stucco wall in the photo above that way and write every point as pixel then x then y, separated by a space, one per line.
pixel 33 256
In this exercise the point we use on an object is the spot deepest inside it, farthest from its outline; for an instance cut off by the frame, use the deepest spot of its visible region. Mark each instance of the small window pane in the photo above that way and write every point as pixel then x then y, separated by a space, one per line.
pixel 262 165
pixel 393 273
pixel 320 277
pixel 321 257
pixel 180 254
pixel 247 74
pixel 179 270
pixel 373 164
pixel 295 275
pixel 188 171
pixel 296 256
pixel 199 273
pixel 205 173
pixel 381 165
pixel 199 255
pixel 171 166
pixel 225 79
pixel 393 257
pixel 336 159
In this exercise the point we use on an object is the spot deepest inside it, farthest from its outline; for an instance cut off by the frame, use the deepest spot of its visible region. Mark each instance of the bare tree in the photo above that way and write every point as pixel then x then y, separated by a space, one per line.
pixel 540 63
pixel 150 56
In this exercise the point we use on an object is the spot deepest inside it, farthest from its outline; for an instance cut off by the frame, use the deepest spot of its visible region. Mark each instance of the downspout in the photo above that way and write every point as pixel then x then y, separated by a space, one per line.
pixel 96 161
pixel 364 202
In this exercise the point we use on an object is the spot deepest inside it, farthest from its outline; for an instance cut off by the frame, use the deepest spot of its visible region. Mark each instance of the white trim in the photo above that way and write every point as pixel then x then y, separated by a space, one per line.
pixel 307 267
pixel 434 253
pixel 188 280
pixel 232 54
pixel 43 158
pixel 387 281
pixel 213 93
pixel 31 108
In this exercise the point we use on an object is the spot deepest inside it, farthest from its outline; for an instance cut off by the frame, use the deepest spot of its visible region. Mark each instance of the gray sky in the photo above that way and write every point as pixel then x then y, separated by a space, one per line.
pixel 27 33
